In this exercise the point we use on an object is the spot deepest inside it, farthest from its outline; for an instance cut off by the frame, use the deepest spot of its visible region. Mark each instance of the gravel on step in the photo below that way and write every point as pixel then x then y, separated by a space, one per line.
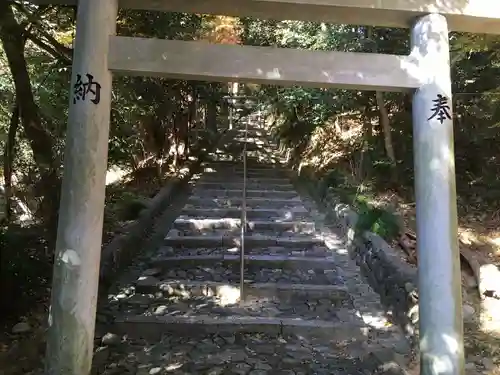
pixel 185 240
pixel 225 192
pixel 260 226
pixel 238 185
pixel 254 203
pixel 227 304
pixel 218 271
pixel 245 354
pixel 315 251
pixel 272 214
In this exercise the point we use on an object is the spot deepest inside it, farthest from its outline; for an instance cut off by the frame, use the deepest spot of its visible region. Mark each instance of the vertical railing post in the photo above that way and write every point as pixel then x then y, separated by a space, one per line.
pixel 243 216
pixel 440 306
pixel 78 248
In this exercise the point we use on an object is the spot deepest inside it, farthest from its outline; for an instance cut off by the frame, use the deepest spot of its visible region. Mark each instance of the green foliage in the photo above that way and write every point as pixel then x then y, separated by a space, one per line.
pixel 376 219
pixel 371 218
pixel 333 179
pixel 297 114
pixel 148 116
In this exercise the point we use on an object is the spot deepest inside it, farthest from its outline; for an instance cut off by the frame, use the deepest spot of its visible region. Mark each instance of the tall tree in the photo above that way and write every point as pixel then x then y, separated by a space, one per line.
pixel 13 38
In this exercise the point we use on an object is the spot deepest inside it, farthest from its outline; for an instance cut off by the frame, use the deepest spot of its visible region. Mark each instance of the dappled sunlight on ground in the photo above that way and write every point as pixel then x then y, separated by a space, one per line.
pixel 332 142
pixel 115 174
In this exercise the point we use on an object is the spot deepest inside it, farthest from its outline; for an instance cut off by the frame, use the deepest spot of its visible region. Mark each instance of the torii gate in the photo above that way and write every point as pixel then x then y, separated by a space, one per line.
pixel 426 72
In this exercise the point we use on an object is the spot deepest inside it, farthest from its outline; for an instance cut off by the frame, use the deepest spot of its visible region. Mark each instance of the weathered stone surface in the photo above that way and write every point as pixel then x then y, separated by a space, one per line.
pixel 221 192
pixel 305 309
pixel 262 226
pixel 185 239
pixel 236 354
pixel 394 281
pixel 251 185
pixel 151 285
pixel 110 339
pixel 296 260
pixel 273 214
pixel 148 326
pixel 224 303
pixel 21 327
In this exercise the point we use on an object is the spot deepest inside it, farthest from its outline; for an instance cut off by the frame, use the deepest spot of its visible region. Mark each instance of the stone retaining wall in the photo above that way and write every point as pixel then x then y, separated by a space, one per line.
pixel 138 236
pixel 393 279
pixel 389 276
pixel 124 247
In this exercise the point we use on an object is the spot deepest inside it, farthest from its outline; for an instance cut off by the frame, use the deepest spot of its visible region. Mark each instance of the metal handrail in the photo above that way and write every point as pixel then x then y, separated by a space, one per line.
pixel 243 216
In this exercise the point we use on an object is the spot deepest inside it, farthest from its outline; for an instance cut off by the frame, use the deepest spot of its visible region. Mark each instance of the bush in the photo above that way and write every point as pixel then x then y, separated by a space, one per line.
pixel 376 219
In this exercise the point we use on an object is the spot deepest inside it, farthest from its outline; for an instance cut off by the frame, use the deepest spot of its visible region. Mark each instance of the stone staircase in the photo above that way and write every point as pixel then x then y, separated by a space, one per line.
pixel 305 309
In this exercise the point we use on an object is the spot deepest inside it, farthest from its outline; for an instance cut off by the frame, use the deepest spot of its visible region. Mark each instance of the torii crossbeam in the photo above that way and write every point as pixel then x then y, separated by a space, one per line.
pixel 475 16
pixel 426 71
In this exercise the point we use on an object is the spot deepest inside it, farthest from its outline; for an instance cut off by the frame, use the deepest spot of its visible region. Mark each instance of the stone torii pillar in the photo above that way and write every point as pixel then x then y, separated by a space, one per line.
pixel 440 300
pixel 76 265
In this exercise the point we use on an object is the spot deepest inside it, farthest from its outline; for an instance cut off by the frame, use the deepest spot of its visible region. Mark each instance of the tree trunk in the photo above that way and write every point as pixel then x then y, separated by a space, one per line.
pixel 383 113
pixel 40 139
pixel 182 135
pixel 366 161
pixel 176 139
pixel 192 112
pixel 212 115
pixel 8 161
pixel 386 127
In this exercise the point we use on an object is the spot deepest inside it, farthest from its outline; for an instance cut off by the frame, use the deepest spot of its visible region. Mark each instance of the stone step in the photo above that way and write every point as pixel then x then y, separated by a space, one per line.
pixel 233 179
pixel 231 185
pixel 153 327
pixel 176 239
pixel 317 251
pixel 259 134
pixel 253 147
pixel 255 144
pixel 227 303
pixel 254 139
pixel 273 178
pixel 280 232
pixel 251 261
pixel 212 268
pixel 251 166
pixel 197 201
pixel 251 173
pixel 251 213
pixel 234 224
pixel 251 138
pixel 277 174
pixel 176 298
pixel 254 134
pixel 263 155
pixel 250 193
pixel 148 284
pixel 249 199
pixel 253 354
pixel 220 156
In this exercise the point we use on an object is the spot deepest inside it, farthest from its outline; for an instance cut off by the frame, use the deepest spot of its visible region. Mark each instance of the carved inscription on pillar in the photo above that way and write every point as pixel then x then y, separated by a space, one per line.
pixel 440 110
pixel 87 89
